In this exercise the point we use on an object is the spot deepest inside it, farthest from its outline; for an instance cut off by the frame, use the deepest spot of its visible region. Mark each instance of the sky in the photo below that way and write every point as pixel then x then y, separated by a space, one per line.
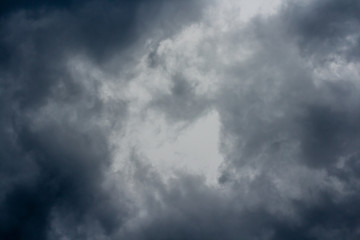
pixel 180 120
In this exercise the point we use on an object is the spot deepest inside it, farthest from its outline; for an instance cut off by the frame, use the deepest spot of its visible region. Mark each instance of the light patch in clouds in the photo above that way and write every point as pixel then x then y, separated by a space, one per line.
pixel 194 149
pixel 174 148
pixel 251 8
pixel 244 10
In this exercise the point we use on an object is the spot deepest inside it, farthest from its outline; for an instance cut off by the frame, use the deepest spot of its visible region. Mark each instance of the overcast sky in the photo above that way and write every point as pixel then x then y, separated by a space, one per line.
pixel 180 120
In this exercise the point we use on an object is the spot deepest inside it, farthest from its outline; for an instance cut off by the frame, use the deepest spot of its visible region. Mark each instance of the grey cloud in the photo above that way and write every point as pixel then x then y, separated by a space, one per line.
pixel 182 103
pixel 53 167
pixel 326 28
pixel 290 140
pixel 290 143
pixel 55 152
pixel 329 135
pixel 66 177
pixel 276 118
pixel 189 209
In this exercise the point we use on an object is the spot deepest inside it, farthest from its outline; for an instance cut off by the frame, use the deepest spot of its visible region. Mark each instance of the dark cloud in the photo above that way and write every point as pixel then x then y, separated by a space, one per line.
pixel 52 166
pixel 330 135
pixel 297 114
pixel 8 7
pixel 289 124
pixel 326 28
pixel 55 152
pixel 65 171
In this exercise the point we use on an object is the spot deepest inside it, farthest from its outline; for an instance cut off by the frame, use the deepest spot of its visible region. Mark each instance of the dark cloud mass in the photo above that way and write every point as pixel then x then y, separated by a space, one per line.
pixel 54 156
pixel 288 110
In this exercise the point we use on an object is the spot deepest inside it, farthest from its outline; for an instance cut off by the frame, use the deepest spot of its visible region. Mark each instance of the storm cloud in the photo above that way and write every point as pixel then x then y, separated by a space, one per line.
pixel 102 104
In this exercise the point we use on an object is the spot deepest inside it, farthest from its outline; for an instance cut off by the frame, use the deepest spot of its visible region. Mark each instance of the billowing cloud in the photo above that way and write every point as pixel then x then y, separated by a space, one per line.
pixel 103 105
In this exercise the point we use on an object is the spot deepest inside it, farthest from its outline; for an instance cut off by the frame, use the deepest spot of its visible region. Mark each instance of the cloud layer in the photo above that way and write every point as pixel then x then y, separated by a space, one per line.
pixel 89 88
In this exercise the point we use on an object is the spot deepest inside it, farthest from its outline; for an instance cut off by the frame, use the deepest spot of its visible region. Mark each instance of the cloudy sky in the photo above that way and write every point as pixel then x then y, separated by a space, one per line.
pixel 180 120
